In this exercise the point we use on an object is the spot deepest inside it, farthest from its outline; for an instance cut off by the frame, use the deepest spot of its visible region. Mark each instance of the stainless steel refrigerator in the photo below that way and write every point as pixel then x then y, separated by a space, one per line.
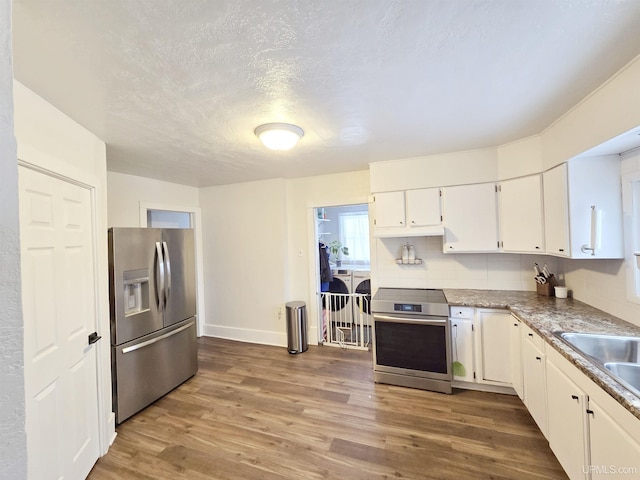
pixel 153 314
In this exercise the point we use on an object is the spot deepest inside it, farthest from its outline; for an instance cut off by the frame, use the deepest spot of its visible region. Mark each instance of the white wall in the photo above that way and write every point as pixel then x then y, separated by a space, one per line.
pixel 50 140
pixel 13 453
pixel 245 260
pixel 127 192
pixel 609 111
pixel 457 168
pixel 520 158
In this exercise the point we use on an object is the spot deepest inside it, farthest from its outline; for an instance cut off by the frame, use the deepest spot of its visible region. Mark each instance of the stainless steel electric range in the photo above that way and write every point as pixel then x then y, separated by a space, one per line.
pixel 412 339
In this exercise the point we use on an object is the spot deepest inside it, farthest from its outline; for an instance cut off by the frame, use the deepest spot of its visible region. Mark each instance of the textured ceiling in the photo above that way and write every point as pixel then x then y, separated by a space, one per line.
pixel 176 87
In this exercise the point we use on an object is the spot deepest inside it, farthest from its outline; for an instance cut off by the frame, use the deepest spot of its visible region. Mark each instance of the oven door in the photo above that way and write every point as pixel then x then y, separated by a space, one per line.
pixel 412 345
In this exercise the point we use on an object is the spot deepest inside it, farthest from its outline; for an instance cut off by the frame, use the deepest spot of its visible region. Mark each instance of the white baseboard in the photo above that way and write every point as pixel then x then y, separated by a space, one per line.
pixel 111 432
pixel 263 337
pixel 483 387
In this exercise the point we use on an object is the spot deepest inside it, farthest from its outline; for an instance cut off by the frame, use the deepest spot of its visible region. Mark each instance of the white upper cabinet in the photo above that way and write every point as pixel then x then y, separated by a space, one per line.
pixel 390 210
pixel 521 215
pixel 556 211
pixel 410 213
pixel 583 208
pixel 470 218
pixel 423 207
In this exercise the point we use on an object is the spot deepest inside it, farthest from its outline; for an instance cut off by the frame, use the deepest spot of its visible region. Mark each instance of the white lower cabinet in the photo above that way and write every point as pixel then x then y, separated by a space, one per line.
pixel 567 432
pixel 481 348
pixel 533 377
pixel 615 453
pixel 462 349
pixel 461 321
pixel 591 434
pixel 493 357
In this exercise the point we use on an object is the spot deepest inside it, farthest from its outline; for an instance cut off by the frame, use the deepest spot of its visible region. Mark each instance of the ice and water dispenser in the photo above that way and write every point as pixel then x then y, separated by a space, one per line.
pixel 136 291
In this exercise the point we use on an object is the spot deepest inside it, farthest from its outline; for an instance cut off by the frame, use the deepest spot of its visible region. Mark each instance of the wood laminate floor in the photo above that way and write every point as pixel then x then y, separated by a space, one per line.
pixel 256 412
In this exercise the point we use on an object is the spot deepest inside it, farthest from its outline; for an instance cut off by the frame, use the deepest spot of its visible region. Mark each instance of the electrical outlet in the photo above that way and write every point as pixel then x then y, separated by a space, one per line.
pixel 280 312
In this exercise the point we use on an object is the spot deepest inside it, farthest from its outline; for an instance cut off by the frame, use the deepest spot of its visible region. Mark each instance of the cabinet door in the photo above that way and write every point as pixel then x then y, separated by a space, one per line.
pixel 556 211
pixel 595 207
pixel 614 453
pixel 470 218
pixel 533 378
pixel 462 346
pixel 423 207
pixel 566 422
pixel 516 356
pixel 389 209
pixel 494 352
pixel 521 220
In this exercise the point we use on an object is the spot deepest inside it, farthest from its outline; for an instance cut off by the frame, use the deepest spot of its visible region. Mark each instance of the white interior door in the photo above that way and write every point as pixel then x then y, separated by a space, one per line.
pixel 59 303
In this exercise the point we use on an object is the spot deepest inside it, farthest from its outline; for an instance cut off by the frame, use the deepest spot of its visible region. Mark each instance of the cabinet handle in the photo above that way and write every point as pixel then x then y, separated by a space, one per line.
pixel 537 248
pixel 574 397
pixel 538 358
pixel 530 334
pixel 590 412
pixel 413 221
pixel 450 246
pixel 561 249
pixel 515 324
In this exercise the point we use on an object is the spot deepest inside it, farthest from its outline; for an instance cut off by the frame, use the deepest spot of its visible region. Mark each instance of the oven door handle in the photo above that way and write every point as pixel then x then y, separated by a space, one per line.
pixel 418 320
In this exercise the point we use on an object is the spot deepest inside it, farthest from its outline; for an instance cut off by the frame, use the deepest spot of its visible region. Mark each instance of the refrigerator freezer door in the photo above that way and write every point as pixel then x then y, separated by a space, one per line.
pixel 133 276
pixel 180 284
pixel 149 367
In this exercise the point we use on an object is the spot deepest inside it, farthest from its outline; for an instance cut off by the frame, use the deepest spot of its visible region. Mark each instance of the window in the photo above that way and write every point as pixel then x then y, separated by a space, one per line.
pixel 168 219
pixel 354 234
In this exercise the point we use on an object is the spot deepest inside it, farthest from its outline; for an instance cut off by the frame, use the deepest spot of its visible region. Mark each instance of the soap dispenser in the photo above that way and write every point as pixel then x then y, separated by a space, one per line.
pixel 412 254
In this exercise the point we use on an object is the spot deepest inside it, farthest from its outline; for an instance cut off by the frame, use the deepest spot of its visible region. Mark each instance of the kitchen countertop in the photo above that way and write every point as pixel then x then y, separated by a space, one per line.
pixel 546 315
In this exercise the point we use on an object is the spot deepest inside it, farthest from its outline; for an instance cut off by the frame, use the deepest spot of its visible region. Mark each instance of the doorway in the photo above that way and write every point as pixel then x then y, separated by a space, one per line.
pixel 343 275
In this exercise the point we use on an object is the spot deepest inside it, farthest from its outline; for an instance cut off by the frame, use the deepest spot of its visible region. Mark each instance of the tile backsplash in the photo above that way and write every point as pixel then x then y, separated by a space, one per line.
pixel 495 271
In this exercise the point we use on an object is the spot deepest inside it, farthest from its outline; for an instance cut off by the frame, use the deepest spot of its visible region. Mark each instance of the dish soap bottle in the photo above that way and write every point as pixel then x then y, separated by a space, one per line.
pixel 412 254
pixel 405 254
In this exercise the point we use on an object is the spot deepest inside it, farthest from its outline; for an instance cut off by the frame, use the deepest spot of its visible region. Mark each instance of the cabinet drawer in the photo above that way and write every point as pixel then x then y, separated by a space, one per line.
pixel 530 336
pixel 461 312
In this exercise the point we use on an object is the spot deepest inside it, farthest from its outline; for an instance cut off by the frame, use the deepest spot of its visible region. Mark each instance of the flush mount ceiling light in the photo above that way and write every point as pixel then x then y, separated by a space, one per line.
pixel 279 136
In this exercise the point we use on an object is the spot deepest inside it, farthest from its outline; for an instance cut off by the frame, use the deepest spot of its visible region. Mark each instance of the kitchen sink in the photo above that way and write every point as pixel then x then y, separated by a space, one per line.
pixel 605 348
pixel 629 373
pixel 617 356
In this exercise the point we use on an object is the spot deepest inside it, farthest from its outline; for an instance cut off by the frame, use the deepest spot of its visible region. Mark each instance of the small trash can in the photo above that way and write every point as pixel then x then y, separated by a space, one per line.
pixel 296 327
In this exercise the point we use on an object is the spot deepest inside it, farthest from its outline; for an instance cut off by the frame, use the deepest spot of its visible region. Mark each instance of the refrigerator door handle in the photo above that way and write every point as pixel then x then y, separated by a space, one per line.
pixel 160 277
pixel 167 260
pixel 146 343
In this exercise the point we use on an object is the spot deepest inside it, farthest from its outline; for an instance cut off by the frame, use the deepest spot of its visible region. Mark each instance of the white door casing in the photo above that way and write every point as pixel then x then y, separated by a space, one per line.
pixel 59 304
